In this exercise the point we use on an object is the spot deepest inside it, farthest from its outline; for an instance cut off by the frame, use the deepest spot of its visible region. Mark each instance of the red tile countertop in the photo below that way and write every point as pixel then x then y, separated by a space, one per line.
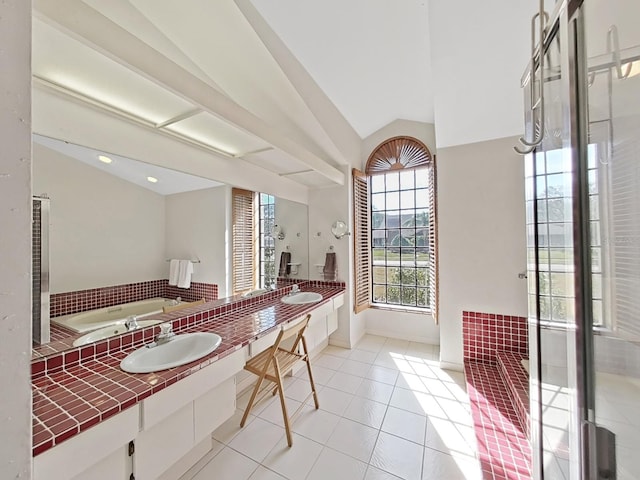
pixel 79 388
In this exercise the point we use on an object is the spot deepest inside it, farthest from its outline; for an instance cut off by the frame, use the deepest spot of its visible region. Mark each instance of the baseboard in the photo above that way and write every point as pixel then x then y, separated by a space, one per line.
pixel 456 367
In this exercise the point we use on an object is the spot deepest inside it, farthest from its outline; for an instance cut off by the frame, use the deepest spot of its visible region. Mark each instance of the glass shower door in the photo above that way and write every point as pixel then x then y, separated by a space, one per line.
pixel 612 42
pixel 551 262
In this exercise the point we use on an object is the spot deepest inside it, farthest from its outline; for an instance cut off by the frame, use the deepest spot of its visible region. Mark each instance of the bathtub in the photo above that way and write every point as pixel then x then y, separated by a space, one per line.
pixel 102 317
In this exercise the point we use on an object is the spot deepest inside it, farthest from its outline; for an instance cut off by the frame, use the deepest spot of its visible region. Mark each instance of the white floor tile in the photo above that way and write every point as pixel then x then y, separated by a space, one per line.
pixel 366 411
pixel 378 391
pixel 298 389
pixel 450 437
pixel 374 473
pixel 395 345
pixel 422 369
pixel 296 461
pixel 316 425
pixel 229 429
pixel 354 439
pixel 321 375
pixel 257 439
pixel 334 401
pixel 406 400
pixel 354 367
pixel 332 465
pixel 440 465
pixel 412 382
pixel 273 413
pixel 382 374
pixel 345 382
pixel 327 361
pixel 365 356
pixel 384 359
pixel 399 457
pixel 371 343
pixel 263 473
pixel 243 400
pixel 407 425
pixel 227 465
pixel 337 351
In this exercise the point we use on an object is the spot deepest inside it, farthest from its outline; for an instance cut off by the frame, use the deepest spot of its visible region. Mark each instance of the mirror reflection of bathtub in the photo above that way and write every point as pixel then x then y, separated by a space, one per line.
pixel 114 315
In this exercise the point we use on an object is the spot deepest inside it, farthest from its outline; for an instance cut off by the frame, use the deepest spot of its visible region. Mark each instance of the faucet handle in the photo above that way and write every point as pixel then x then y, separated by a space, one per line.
pixel 166 328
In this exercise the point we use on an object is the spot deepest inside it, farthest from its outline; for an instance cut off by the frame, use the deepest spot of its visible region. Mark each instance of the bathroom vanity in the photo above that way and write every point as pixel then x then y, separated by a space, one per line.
pixel 93 420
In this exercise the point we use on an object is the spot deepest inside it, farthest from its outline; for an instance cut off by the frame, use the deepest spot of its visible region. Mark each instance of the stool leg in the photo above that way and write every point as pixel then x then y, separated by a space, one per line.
pixel 313 385
pixel 252 399
pixel 285 415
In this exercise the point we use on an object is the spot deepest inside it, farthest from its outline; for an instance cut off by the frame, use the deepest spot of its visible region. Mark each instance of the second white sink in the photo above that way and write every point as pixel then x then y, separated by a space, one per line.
pixel 179 350
pixel 301 298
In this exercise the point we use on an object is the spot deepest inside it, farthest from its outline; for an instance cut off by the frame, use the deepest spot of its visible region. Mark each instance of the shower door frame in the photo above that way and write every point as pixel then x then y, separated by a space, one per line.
pixel 567 26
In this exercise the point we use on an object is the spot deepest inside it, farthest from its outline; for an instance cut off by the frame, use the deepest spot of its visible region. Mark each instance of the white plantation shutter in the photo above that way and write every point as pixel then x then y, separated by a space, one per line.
pixel 433 241
pixel 243 240
pixel 361 242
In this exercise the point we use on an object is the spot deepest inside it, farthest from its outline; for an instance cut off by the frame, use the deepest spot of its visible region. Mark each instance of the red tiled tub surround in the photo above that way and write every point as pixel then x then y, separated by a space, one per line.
pixel 503 447
pixel 92 299
pixel 484 334
pixel 197 291
pixel 77 389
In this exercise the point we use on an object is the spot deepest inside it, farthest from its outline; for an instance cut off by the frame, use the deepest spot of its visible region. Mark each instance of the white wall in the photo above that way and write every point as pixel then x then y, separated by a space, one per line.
pixel 292 217
pixel 104 230
pixel 481 236
pixel 15 240
pixel 479 52
pixel 196 228
pixel 325 207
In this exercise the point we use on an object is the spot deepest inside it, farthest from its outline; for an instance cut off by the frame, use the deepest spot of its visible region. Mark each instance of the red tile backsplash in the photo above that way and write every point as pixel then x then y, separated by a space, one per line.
pixel 484 334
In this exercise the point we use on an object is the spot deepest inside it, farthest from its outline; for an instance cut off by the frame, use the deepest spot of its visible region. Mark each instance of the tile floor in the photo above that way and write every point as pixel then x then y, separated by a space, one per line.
pixel 387 411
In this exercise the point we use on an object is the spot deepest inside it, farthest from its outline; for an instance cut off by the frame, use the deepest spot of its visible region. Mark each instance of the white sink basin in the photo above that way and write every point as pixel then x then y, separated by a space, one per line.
pixel 179 350
pixel 302 297
pixel 110 331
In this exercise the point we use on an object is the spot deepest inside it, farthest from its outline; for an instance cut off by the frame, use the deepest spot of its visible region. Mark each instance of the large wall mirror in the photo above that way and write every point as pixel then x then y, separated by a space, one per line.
pixel 116 221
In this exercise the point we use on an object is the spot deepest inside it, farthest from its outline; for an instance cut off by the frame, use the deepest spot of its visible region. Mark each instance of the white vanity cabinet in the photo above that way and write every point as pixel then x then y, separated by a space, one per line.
pixel 99 453
pixel 178 418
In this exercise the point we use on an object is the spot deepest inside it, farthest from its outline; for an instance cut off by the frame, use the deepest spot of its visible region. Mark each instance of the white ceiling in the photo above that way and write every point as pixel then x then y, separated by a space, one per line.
pixel 218 80
pixel 168 182
pixel 371 57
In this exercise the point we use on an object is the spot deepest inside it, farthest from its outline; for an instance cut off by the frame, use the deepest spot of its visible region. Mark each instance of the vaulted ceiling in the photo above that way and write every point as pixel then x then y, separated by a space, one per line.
pixel 285 88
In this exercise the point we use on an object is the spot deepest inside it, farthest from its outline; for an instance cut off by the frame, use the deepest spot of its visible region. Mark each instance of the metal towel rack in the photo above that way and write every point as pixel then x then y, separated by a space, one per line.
pixel 192 261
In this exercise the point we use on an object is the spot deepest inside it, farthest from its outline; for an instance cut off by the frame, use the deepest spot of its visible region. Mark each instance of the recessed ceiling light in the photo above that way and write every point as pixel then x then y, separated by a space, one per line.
pixel 152 179
pixel 104 159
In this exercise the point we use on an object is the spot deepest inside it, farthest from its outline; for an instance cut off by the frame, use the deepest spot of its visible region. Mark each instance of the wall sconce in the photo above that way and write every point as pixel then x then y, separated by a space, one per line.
pixel 339 229
pixel 277 232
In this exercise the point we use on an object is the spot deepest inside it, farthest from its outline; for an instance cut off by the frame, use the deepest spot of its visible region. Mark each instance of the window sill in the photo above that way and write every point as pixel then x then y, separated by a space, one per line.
pixel 401 308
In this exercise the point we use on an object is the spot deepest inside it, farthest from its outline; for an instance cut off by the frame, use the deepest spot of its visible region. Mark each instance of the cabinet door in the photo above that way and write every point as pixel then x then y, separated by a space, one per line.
pixel 164 444
pixel 213 408
pixel 114 467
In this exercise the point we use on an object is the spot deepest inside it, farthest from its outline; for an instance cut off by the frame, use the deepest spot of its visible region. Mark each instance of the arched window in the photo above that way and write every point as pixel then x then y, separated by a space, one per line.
pixel 395 227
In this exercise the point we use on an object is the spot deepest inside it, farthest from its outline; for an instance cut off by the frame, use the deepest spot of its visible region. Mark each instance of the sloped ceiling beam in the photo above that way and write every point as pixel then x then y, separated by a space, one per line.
pixel 95 30
pixel 339 131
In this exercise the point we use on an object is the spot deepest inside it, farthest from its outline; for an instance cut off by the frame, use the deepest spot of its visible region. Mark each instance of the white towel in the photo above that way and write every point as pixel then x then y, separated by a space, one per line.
pixel 184 273
pixel 173 271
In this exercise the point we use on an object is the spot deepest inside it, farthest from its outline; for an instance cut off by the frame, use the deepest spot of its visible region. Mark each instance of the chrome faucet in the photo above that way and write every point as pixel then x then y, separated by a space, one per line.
pixel 165 335
pixel 294 289
pixel 131 323
pixel 176 301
